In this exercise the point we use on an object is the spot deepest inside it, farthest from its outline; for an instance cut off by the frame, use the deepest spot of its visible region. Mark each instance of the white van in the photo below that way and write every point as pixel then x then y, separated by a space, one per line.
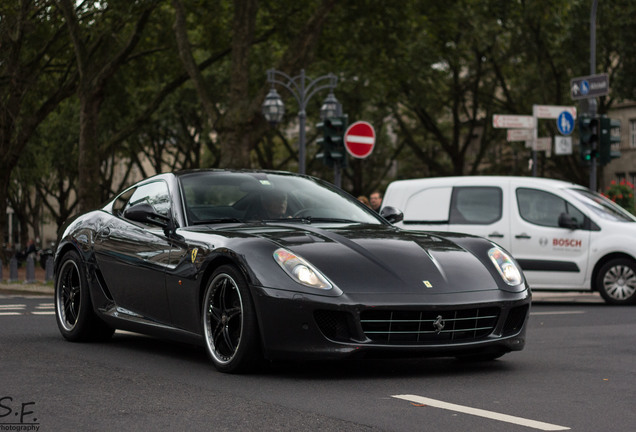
pixel 564 236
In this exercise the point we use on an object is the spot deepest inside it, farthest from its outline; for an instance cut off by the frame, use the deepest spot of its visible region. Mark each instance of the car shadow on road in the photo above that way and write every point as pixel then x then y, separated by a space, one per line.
pixel 388 368
pixel 196 356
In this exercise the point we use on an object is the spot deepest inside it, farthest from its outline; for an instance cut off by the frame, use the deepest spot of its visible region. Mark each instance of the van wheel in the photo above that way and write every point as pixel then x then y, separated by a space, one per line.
pixel 616 281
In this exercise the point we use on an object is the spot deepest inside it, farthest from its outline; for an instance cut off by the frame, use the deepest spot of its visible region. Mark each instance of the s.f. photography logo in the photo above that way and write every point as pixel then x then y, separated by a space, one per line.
pixel 17 415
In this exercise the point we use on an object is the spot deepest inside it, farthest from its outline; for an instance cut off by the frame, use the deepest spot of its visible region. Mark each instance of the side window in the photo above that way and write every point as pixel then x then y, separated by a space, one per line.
pixel 121 201
pixel 155 193
pixel 476 205
pixel 543 208
pixel 429 205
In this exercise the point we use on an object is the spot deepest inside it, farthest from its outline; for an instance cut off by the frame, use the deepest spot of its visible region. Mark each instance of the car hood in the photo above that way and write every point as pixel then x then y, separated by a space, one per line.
pixel 367 258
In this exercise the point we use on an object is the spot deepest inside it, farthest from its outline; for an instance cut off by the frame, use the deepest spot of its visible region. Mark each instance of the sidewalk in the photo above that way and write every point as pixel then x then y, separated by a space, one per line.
pixel 21 286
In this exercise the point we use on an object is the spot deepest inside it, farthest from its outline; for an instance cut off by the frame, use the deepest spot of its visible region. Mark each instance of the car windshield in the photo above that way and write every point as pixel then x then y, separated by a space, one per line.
pixel 602 206
pixel 218 197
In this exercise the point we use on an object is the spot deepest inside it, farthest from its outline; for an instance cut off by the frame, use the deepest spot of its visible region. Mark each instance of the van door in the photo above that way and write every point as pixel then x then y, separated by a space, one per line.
pixel 481 210
pixel 551 256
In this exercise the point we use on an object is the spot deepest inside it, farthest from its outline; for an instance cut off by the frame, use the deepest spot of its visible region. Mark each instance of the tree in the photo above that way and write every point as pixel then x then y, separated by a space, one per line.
pixel 36 74
pixel 103 40
pixel 236 114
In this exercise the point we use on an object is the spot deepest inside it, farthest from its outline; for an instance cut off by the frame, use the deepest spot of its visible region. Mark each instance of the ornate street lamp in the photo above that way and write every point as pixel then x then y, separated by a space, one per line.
pixel 330 108
pixel 274 109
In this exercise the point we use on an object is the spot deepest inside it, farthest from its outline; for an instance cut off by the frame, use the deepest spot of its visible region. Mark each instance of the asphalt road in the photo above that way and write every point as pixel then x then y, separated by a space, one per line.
pixel 577 372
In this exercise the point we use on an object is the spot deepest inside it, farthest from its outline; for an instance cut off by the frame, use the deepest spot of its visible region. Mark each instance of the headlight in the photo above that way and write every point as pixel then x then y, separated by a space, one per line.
pixel 504 265
pixel 300 270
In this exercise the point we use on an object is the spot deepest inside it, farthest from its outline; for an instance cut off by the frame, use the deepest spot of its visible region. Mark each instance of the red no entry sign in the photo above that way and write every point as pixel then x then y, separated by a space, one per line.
pixel 359 139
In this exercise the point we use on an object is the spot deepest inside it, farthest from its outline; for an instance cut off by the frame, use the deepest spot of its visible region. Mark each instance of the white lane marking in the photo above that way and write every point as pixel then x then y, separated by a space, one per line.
pixel 558 313
pixel 21 309
pixel 481 413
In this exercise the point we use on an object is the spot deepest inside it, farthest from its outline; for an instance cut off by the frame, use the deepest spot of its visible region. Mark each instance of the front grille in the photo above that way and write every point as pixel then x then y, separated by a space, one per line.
pixel 421 327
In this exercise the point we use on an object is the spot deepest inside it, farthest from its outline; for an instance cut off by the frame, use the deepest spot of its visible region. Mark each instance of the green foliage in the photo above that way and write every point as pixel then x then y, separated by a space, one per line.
pixel 427 74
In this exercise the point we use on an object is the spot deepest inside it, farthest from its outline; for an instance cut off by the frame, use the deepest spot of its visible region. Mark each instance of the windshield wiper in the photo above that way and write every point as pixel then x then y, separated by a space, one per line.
pixel 217 221
pixel 311 219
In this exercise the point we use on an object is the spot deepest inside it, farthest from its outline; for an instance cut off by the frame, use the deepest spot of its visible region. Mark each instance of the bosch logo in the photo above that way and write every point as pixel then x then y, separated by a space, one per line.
pixel 571 243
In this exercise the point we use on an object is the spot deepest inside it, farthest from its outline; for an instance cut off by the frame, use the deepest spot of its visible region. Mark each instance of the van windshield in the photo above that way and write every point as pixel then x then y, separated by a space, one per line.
pixel 602 206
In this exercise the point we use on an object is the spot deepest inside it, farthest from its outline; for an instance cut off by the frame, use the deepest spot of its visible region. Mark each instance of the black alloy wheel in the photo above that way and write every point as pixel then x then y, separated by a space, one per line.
pixel 229 322
pixel 73 309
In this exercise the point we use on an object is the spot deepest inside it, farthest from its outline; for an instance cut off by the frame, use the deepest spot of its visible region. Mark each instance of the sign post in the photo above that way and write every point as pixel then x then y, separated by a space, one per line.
pixel 524 128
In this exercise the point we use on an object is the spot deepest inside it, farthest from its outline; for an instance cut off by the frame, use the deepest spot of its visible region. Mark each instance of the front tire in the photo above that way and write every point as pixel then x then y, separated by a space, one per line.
pixel 229 322
pixel 616 281
pixel 73 309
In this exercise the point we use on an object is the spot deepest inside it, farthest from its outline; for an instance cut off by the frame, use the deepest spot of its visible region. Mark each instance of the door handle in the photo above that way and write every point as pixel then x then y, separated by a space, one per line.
pixel 496 235
pixel 522 236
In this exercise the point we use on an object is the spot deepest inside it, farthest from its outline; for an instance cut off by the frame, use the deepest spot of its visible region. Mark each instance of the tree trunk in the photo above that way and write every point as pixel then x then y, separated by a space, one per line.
pixel 89 189
pixel 237 124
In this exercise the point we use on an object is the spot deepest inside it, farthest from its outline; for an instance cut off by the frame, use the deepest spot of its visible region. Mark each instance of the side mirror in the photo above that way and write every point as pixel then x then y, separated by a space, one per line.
pixel 145 213
pixel 392 214
pixel 567 221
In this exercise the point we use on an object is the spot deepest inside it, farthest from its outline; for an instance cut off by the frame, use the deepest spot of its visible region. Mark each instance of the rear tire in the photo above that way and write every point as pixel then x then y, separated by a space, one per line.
pixel 616 281
pixel 229 322
pixel 73 308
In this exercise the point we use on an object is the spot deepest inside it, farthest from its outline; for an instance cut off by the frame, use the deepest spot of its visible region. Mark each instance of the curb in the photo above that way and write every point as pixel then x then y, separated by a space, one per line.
pixel 26 288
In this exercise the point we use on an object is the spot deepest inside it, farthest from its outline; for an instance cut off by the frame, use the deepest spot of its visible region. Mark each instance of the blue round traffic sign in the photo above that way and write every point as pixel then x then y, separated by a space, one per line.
pixel 565 123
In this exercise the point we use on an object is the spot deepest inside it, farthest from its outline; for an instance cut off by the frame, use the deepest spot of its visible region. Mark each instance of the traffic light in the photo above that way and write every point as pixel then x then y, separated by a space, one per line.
pixel 588 138
pixel 607 139
pixel 331 142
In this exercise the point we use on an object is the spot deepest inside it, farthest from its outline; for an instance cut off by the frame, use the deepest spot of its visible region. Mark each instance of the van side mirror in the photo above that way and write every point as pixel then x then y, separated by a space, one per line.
pixel 392 214
pixel 567 221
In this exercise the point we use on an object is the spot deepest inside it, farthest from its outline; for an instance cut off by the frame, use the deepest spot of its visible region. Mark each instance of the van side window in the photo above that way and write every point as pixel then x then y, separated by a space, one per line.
pixel 475 205
pixel 543 208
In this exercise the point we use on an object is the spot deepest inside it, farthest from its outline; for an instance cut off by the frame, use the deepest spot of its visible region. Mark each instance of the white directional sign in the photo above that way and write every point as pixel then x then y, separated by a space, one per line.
pixel 512 121
pixel 544 144
pixel 520 134
pixel 552 111
pixel 563 145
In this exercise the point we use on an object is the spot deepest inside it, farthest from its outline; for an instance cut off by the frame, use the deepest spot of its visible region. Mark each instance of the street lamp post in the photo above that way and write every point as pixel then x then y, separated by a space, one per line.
pixel 274 109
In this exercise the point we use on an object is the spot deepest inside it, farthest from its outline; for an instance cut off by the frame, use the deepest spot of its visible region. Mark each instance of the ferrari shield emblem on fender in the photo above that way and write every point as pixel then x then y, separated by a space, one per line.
pixel 193 254
pixel 427 284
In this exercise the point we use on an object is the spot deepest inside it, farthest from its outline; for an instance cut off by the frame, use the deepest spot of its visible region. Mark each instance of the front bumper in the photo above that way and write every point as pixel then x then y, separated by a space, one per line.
pixel 302 326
